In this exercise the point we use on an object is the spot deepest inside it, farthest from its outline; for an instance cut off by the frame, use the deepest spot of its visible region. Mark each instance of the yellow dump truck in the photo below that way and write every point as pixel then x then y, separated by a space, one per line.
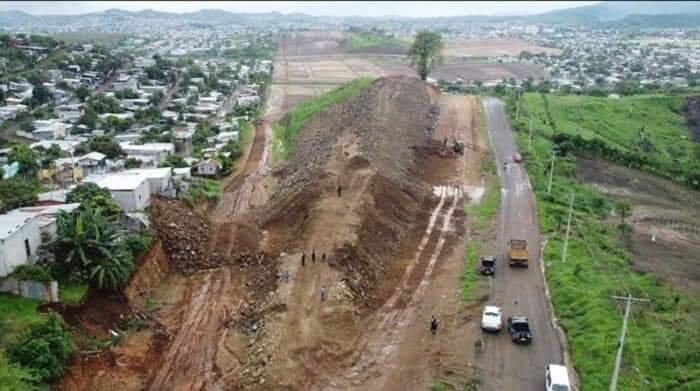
pixel 518 254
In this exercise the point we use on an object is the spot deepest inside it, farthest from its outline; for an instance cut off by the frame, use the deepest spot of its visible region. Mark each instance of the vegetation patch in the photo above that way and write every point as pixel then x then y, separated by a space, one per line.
pixel 202 188
pixel 663 340
pixel 371 39
pixel 286 132
pixel 649 132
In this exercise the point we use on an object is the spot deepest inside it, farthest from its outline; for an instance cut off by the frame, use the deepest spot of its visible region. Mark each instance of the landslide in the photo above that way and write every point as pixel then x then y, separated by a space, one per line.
pixel 371 146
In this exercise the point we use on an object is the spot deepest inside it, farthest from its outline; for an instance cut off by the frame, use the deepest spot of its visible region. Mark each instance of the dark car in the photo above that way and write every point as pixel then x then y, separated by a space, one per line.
pixel 519 329
pixel 488 265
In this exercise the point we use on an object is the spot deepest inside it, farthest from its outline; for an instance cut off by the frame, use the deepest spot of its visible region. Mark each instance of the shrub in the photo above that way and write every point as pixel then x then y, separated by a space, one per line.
pixel 32 272
pixel 43 351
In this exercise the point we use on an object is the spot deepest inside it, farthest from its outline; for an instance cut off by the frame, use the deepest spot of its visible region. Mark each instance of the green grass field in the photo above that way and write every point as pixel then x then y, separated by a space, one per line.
pixel 373 40
pixel 109 40
pixel 286 131
pixel 651 129
pixel 662 349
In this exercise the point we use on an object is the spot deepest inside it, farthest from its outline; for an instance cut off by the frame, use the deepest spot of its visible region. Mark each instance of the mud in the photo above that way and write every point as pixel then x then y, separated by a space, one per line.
pixel 665 220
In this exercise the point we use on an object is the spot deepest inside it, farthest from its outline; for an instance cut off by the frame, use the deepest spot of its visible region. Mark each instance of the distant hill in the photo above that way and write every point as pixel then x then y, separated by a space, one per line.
pixel 610 11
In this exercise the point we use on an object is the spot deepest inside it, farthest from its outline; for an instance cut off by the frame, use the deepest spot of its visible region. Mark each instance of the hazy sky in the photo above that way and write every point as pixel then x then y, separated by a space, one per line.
pixel 351 8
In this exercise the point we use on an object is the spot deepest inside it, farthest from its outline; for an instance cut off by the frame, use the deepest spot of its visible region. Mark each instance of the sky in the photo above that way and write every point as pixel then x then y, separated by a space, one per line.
pixel 328 8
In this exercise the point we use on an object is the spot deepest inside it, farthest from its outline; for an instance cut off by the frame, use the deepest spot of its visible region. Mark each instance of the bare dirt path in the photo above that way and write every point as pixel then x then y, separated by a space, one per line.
pixel 519 291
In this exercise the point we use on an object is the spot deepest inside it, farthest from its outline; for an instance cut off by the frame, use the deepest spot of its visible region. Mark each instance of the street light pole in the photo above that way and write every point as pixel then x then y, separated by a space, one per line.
pixel 529 146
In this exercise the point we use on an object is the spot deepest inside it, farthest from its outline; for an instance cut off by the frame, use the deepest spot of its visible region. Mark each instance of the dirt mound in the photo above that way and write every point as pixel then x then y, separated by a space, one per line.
pixel 367 146
pixel 693 114
pixel 97 313
pixel 183 233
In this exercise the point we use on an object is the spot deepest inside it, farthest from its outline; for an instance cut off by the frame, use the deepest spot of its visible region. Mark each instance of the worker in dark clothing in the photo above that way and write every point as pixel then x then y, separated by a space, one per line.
pixel 433 325
pixel 303 259
pixel 313 255
pixel 323 257
pixel 340 189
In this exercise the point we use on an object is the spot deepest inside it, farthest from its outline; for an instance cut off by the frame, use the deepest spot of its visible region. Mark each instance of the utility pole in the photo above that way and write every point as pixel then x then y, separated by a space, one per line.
pixel 529 146
pixel 551 172
pixel 517 108
pixel 568 229
pixel 618 359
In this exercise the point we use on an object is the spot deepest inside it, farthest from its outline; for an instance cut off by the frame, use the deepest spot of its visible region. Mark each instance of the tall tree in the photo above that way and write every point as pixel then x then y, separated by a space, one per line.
pixel 425 52
pixel 26 157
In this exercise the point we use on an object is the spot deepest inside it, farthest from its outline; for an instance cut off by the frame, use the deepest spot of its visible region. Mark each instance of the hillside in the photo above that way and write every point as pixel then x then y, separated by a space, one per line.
pixel 608 11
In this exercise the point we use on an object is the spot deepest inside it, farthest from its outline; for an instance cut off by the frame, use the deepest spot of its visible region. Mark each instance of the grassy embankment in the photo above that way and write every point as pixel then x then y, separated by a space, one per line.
pixel 368 40
pixel 662 349
pixel 17 315
pixel 286 131
pixel 481 218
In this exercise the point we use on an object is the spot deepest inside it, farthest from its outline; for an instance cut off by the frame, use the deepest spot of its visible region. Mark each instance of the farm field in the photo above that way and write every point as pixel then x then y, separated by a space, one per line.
pixel 485 72
pixel 492 47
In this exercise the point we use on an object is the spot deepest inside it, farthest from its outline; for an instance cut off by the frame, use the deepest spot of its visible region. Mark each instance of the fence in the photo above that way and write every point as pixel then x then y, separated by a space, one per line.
pixel 45 291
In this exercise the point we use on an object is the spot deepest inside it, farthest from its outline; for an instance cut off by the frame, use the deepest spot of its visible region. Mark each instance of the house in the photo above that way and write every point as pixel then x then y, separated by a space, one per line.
pixel 49 129
pixel 67 170
pixel 65 145
pixel 225 137
pixel 160 180
pixel 183 141
pixel 19 241
pixel 93 163
pixel 130 191
pixel 248 100
pixel 208 167
pixel 157 151
pixel 46 217
pixel 69 112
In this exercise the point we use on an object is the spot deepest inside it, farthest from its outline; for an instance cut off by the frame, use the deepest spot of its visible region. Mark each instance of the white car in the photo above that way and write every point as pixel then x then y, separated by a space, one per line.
pixel 556 378
pixel 491 319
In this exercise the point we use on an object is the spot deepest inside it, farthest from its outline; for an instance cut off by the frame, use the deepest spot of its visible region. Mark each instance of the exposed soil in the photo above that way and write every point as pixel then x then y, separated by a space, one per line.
pixel 487 72
pixel 693 114
pixel 665 220
pixel 240 311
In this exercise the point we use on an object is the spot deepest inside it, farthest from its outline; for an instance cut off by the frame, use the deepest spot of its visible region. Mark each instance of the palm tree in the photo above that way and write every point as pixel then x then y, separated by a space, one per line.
pixel 91 243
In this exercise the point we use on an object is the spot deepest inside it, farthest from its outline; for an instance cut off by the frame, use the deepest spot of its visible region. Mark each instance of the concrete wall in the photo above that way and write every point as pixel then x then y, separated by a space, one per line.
pixel 12 249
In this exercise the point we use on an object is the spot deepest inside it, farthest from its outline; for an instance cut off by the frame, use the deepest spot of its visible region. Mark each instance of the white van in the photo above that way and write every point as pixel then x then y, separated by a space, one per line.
pixel 556 378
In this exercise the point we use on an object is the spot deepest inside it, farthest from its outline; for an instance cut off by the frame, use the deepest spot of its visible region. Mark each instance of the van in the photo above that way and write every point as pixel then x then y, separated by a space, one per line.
pixel 556 378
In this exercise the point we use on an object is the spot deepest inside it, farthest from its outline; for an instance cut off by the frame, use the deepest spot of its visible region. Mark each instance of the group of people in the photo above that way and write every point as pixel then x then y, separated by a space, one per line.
pixel 313 257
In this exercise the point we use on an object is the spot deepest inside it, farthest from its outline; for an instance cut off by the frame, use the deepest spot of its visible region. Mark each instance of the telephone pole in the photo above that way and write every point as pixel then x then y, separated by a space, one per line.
pixel 529 146
pixel 551 172
pixel 568 229
pixel 618 359
pixel 517 108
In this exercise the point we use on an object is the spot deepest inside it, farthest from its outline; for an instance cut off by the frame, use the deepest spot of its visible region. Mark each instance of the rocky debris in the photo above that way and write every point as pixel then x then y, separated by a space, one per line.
pixel 433 114
pixel 183 233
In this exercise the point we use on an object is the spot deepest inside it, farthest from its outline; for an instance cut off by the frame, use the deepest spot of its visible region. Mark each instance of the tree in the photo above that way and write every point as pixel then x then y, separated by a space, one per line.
pixel 15 377
pixel 105 145
pixel 91 196
pixel 26 157
pixel 44 350
pixel 425 52
pixel 89 243
pixel 15 193
pixel 174 161
pixel 82 92
pixel 2 97
pixel 40 94
pixel 132 163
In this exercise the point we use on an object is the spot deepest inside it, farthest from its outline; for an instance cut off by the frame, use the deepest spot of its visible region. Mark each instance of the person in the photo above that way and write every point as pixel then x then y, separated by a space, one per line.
pixel 285 276
pixel 323 257
pixel 322 291
pixel 340 189
pixel 433 325
pixel 313 255
pixel 303 258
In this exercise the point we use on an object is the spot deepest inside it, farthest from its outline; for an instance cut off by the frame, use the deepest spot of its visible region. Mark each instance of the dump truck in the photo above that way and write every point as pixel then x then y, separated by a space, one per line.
pixel 518 254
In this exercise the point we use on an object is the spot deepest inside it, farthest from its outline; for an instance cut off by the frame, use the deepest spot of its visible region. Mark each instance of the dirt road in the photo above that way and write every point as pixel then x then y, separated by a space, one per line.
pixel 519 291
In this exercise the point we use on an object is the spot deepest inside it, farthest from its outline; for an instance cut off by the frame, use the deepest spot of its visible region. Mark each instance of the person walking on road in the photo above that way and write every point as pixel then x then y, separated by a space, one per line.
pixel 313 256
pixel 322 292
pixel 433 325
pixel 323 257
pixel 340 190
pixel 303 259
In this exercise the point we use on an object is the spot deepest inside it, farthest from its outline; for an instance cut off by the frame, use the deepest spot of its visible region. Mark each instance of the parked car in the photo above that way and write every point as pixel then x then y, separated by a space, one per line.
pixel 519 329
pixel 491 319
pixel 488 265
pixel 556 378
pixel 517 158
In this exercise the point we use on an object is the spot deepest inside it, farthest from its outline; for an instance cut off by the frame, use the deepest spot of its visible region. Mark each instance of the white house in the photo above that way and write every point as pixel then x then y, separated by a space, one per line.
pixel 130 191
pixel 19 240
pixel 158 151
pixel 208 167
pixel 160 180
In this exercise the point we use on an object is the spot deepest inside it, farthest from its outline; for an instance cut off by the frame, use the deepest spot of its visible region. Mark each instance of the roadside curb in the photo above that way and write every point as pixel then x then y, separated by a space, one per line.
pixel 555 324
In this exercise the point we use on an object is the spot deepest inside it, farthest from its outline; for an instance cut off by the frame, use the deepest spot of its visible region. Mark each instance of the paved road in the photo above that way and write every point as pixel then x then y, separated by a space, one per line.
pixel 505 365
